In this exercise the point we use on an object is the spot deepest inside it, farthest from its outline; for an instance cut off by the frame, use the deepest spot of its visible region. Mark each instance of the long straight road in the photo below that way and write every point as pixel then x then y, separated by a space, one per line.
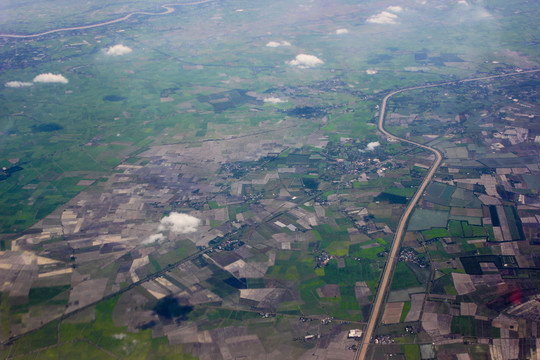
pixel 396 245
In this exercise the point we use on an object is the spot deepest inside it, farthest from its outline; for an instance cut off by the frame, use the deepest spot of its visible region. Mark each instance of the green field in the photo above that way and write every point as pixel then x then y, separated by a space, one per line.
pixel 465 325
pixel 411 352
pixel 406 308
pixel 435 233
pixel 423 219
pixel 86 340
pixel 403 277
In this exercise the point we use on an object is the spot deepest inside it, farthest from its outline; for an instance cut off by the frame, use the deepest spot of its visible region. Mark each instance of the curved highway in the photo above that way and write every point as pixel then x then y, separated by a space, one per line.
pixel 168 9
pixel 396 245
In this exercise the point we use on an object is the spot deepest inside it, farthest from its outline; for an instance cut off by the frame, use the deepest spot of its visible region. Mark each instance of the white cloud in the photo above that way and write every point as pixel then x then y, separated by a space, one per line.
pixel 118 50
pixel 383 17
pixel 372 145
pixel 304 61
pixel 467 12
pixel 371 71
pixel 50 78
pixel 274 100
pixel 395 9
pixel 17 84
pixel 154 238
pixel 481 14
pixel 276 44
pixel 179 223
pixel 342 31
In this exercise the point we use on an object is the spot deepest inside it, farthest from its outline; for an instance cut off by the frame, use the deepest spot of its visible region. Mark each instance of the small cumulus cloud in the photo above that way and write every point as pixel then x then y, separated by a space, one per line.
pixel 154 238
pixel 304 61
pixel 179 223
pixel 118 50
pixel 342 31
pixel 395 9
pixel 50 78
pixel 17 84
pixel 471 12
pixel 481 14
pixel 274 100
pixel 372 145
pixel 383 17
pixel 176 223
pixel 274 44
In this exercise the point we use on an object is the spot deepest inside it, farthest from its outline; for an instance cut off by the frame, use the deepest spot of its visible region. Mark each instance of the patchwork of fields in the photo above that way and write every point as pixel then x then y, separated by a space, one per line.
pixel 209 183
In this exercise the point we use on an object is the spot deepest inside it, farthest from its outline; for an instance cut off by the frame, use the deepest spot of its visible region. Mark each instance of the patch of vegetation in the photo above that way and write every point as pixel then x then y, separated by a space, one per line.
pixel 46 336
pixel 424 219
pixel 465 325
pixel 310 183
pixel 403 278
pixel 391 198
pixel 213 205
pixel 406 308
pixel 50 127
pixel 113 98
pixel 435 233
pixel 306 112
pixel 412 352
pixel 41 295
pixel 455 229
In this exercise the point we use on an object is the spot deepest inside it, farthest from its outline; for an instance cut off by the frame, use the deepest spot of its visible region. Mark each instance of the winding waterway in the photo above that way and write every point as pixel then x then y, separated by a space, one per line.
pixel 169 8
